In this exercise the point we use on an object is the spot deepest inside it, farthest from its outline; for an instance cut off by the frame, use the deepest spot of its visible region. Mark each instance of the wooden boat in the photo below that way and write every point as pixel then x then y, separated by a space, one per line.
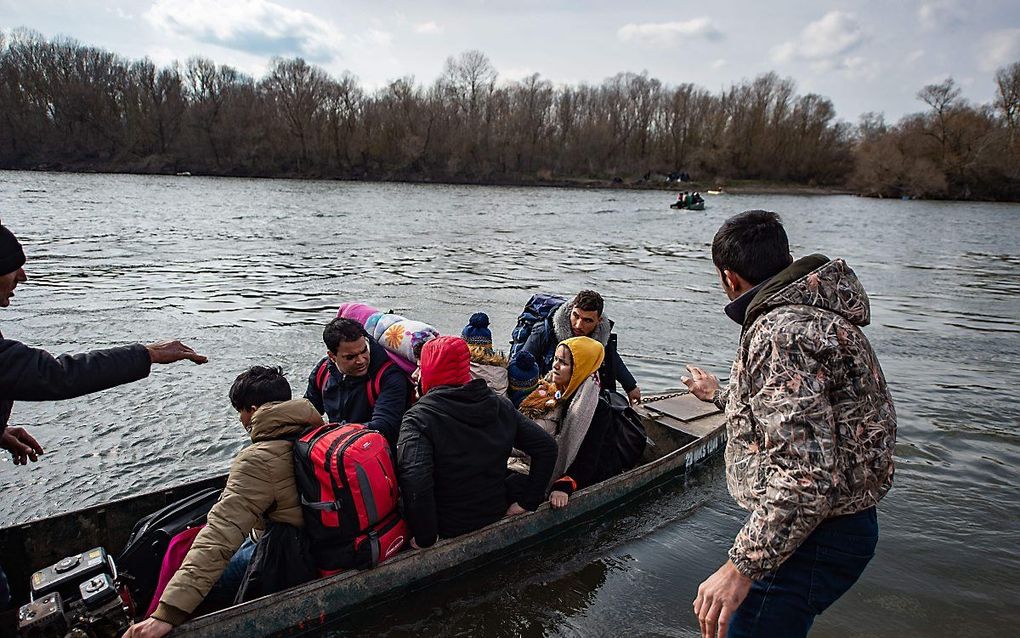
pixel 682 432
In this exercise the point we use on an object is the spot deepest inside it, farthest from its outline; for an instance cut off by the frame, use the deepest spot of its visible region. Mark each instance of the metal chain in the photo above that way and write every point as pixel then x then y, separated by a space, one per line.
pixel 660 397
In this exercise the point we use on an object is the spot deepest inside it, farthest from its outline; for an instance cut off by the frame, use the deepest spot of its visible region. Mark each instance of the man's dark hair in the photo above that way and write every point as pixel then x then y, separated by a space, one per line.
pixel 752 244
pixel 589 300
pixel 258 385
pixel 342 329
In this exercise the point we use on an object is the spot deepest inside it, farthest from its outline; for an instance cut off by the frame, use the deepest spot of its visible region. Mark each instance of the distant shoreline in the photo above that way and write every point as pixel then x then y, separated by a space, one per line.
pixel 731 187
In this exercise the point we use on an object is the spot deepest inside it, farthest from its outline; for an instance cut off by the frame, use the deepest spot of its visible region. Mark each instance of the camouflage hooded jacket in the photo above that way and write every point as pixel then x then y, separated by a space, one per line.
pixel 810 421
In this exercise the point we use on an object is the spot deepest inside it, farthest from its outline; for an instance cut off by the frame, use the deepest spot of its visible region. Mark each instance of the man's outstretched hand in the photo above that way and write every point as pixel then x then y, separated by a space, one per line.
pixel 171 351
pixel 701 384
pixel 22 445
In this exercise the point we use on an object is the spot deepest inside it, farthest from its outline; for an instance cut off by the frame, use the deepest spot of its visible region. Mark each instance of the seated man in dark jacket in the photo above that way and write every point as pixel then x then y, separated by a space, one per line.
pixel 582 317
pixel 453 448
pixel 357 382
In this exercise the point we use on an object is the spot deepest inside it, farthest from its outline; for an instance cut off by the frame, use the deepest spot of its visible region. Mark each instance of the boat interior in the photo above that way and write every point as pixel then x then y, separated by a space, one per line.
pixel 672 422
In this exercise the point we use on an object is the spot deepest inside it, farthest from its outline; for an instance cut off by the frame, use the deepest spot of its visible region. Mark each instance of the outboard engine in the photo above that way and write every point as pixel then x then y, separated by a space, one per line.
pixel 79 597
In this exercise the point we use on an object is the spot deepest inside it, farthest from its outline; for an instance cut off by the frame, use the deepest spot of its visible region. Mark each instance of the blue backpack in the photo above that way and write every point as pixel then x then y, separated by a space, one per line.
pixel 539 309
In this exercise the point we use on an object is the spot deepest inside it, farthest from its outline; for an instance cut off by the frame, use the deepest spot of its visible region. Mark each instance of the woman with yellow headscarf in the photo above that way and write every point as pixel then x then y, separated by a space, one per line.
pixel 568 406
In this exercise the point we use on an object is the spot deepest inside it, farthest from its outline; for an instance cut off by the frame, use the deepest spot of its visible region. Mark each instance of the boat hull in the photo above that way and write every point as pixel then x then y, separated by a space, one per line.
pixel 679 446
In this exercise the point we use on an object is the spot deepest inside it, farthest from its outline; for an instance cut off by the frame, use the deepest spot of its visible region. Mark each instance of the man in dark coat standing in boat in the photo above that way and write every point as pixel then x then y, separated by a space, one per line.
pixel 811 430
pixel 31 374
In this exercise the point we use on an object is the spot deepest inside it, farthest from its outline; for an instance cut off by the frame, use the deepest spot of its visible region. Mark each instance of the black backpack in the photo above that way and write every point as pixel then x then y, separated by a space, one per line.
pixel 143 554
pixel 630 431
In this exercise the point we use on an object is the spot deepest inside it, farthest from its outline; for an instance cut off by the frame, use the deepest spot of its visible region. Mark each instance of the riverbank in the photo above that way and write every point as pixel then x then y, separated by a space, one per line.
pixel 734 187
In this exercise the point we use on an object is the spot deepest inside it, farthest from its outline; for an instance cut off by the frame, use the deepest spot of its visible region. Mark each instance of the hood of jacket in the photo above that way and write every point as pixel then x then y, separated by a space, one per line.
pixel 588 355
pixel 445 361
pixel 282 419
pixel 561 325
pixel 814 281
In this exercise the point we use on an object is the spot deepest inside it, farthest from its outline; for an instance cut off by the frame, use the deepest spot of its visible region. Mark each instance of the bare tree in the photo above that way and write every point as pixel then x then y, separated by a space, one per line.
pixel 1007 99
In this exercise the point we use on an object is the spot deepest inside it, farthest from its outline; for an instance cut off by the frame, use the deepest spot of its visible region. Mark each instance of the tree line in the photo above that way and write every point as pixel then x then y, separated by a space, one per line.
pixel 954 149
pixel 69 106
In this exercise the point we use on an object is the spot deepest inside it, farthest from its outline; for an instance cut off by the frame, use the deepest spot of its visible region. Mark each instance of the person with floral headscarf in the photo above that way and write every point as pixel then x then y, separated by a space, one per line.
pixel 569 405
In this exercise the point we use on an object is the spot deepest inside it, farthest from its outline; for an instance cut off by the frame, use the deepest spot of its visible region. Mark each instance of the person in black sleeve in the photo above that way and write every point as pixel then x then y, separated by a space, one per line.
pixel 31 374
pixel 356 382
pixel 453 450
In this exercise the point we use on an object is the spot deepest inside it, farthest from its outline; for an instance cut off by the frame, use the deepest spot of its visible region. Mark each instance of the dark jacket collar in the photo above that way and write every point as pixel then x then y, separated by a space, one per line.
pixel 746 308
pixel 737 309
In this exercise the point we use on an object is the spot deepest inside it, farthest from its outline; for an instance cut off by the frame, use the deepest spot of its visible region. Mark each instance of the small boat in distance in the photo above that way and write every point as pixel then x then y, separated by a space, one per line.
pixel 689 201
pixel 682 432
pixel 693 206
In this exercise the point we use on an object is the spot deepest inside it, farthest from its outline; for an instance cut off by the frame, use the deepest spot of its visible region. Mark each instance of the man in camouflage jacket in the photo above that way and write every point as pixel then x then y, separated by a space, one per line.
pixel 811 429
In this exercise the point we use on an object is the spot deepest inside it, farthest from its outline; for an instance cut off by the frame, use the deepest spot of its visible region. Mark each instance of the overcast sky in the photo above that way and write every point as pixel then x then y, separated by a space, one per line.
pixel 868 55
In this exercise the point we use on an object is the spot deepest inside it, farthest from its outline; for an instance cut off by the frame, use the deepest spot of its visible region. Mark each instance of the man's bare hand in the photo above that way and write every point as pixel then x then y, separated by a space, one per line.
pixel 514 510
pixel 635 396
pixel 171 351
pixel 22 445
pixel 150 628
pixel 558 499
pixel 701 384
pixel 718 598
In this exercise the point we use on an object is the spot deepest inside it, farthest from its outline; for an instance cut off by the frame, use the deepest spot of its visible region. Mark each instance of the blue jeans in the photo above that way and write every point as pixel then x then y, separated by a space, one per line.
pixel 785 602
pixel 223 591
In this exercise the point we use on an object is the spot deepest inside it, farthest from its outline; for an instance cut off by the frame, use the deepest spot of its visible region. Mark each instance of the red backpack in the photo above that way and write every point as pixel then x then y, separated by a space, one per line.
pixel 348 484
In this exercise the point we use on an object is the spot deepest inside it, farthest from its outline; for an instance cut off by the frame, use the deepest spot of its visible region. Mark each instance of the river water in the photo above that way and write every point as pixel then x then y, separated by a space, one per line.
pixel 248 271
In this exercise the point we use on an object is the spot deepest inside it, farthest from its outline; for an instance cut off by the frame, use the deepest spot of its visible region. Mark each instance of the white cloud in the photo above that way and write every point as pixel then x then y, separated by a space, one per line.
pixel 258 27
pixel 860 68
pixel 718 64
pixel 428 28
pixel 669 33
pixel 940 14
pixel 825 43
pixel 120 13
pixel 374 38
pixel 914 56
pixel 999 48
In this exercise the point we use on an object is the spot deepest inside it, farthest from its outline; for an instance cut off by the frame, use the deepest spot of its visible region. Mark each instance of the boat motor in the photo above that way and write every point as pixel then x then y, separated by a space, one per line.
pixel 78 597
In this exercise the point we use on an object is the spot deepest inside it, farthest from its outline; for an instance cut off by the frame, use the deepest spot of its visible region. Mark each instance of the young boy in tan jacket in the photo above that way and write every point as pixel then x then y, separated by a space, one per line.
pixel 260 488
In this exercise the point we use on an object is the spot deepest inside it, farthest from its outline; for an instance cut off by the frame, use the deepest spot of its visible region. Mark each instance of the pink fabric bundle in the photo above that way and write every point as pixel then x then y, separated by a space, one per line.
pixel 361 312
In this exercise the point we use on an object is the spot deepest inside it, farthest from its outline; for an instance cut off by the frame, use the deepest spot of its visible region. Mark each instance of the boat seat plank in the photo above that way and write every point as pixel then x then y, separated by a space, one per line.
pixel 686 407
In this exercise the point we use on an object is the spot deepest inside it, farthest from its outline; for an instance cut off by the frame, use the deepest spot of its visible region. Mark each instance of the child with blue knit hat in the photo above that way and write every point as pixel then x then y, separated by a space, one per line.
pixel 486 363
pixel 523 376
